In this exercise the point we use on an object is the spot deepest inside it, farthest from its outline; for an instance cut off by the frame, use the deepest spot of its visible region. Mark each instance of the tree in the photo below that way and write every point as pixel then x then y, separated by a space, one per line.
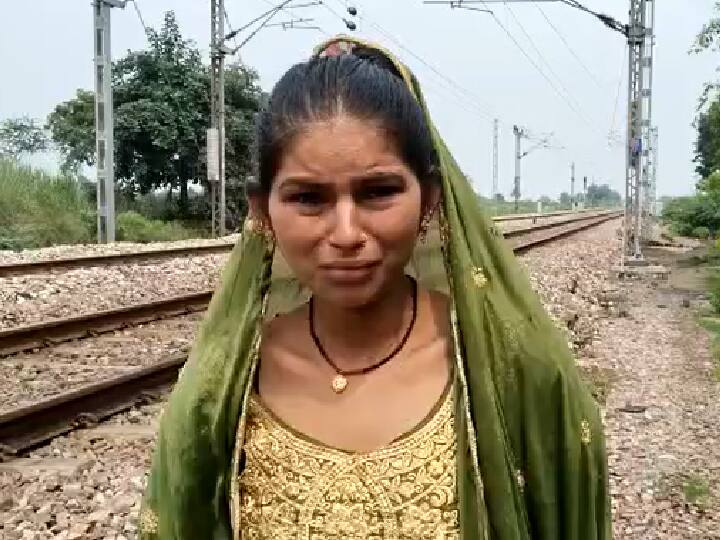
pixel 565 199
pixel 72 127
pixel 602 195
pixel 162 111
pixel 21 136
pixel 707 145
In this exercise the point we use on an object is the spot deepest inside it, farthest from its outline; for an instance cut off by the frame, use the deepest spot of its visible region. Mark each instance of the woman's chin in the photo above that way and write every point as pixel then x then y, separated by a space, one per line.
pixel 350 294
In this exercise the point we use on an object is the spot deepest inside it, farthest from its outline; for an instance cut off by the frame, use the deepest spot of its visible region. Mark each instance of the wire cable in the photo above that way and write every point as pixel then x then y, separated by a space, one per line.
pixel 139 15
pixel 294 14
pixel 539 69
pixel 540 55
pixel 484 109
pixel 229 25
pixel 568 46
pixel 619 86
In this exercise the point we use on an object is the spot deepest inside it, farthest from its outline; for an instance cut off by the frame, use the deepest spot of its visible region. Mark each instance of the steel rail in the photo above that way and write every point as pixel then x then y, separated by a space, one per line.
pixel 28 427
pixel 45 265
pixel 64 263
pixel 45 334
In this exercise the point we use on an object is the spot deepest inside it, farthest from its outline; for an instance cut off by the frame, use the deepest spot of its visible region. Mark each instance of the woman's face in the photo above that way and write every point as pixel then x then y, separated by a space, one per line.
pixel 345 210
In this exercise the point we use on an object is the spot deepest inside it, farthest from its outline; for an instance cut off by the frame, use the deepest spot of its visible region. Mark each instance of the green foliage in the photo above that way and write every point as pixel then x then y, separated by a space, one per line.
pixel 162 111
pixel 701 232
pixel 37 209
pixel 707 143
pixel 696 490
pixel 21 136
pixel 686 214
pixel 134 227
pixel 72 127
pixel 602 196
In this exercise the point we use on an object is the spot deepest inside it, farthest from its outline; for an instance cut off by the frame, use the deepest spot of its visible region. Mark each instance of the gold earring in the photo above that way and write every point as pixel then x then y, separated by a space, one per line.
pixel 424 227
pixel 259 227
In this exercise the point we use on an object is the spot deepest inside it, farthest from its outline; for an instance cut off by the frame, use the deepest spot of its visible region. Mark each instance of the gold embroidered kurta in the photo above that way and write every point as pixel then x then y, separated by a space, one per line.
pixel 294 488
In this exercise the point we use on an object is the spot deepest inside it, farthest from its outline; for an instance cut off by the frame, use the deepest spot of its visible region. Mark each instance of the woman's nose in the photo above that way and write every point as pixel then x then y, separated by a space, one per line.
pixel 346 232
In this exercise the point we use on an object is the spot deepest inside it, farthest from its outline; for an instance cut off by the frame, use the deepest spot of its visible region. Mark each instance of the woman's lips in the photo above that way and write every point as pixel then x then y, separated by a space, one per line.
pixel 349 272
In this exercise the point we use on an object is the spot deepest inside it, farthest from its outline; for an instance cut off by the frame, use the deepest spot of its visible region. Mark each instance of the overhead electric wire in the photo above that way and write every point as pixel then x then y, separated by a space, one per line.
pixel 568 46
pixel 539 69
pixel 540 55
pixel 294 14
pixel 139 15
pixel 482 108
pixel 619 86
pixel 229 25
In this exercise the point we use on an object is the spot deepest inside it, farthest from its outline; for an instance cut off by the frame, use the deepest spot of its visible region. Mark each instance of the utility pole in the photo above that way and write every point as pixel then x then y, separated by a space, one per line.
pixel 519 133
pixel 104 137
pixel 216 133
pixel 572 186
pixel 640 34
pixel 495 188
pixel 585 186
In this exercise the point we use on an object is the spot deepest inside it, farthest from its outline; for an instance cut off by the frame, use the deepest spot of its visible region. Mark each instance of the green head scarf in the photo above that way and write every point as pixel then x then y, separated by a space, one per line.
pixel 531 457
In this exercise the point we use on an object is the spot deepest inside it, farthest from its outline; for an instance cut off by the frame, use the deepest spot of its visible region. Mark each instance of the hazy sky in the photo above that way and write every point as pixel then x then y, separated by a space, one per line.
pixel 471 70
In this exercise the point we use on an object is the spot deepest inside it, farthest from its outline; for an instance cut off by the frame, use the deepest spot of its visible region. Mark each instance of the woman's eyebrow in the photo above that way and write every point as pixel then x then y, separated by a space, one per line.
pixel 378 175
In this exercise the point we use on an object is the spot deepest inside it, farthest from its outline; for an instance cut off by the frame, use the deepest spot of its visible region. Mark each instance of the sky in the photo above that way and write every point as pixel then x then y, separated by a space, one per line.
pixel 471 69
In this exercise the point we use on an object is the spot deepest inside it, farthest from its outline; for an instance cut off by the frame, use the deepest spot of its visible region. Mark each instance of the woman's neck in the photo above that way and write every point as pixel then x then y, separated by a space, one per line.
pixel 355 337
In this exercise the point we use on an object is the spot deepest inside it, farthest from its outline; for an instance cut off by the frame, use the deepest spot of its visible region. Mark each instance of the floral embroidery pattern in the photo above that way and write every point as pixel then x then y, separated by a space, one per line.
pixel 294 488
pixel 148 521
pixel 585 433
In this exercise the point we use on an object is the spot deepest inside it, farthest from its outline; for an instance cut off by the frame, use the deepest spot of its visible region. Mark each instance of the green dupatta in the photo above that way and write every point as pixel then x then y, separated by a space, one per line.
pixel 531 456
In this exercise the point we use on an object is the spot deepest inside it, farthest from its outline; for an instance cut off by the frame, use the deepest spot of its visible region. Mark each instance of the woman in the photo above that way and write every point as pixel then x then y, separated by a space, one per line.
pixel 332 395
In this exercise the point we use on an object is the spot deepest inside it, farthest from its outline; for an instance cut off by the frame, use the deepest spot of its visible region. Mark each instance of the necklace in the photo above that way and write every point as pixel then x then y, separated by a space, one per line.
pixel 340 381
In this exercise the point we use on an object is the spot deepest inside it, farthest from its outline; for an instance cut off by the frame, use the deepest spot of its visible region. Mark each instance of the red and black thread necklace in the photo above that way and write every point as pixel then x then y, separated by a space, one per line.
pixel 340 381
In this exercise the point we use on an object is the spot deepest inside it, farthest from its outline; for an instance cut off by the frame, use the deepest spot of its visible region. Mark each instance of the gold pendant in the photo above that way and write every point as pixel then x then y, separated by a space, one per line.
pixel 339 383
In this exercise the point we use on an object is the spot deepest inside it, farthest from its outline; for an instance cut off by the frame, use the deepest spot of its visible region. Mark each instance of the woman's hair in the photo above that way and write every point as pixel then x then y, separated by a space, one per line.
pixel 364 84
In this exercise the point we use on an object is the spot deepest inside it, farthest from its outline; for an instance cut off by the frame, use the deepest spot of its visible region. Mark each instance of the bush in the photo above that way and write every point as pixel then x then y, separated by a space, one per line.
pixel 700 232
pixel 133 227
pixel 714 289
pixel 686 214
pixel 39 209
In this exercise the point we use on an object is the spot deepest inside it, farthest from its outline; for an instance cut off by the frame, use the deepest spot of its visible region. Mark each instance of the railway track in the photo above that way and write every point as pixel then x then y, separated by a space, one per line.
pixel 26 427
pixel 65 263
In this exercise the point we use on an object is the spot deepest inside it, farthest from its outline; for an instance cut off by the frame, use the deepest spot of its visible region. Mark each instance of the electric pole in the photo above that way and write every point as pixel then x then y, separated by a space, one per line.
pixel 519 133
pixel 104 137
pixel 495 188
pixel 640 35
pixel 216 133
pixel 572 186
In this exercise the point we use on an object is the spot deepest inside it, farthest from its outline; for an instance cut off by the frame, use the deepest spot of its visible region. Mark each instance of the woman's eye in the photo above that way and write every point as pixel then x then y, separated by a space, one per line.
pixel 307 198
pixel 380 191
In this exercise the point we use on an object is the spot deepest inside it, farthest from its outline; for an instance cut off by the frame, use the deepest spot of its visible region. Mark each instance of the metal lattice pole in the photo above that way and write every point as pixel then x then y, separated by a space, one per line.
pixel 104 137
pixel 216 134
pixel 518 156
pixel 648 193
pixel 639 99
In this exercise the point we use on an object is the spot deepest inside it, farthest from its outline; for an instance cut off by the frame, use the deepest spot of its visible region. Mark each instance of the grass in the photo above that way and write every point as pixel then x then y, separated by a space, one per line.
pixel 696 491
pixel 690 488
pixel 712 325
pixel 38 209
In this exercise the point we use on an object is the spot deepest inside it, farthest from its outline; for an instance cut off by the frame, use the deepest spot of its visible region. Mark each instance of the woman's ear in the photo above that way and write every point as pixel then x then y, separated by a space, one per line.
pixel 432 199
pixel 258 209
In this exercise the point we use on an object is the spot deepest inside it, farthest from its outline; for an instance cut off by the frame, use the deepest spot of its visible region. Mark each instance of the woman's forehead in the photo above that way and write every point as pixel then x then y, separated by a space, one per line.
pixel 342 146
